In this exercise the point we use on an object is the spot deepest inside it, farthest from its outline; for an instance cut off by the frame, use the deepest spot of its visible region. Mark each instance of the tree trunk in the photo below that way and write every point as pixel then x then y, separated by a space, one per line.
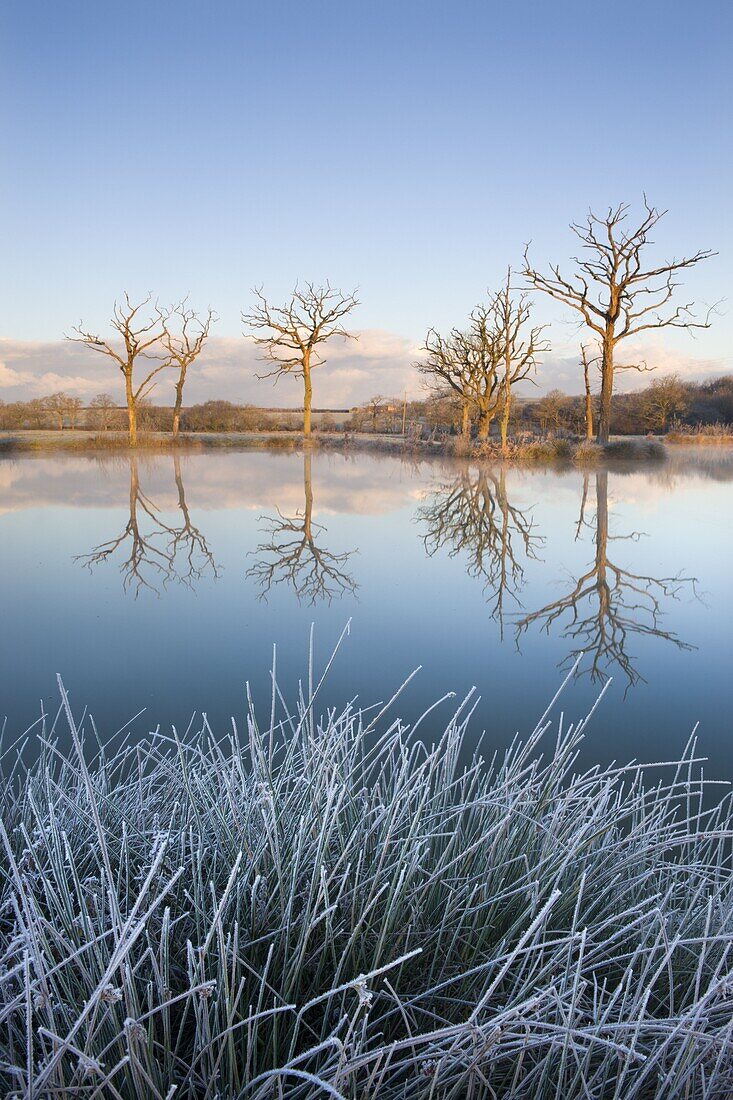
pixel 506 413
pixel 588 414
pixel 604 421
pixel 483 425
pixel 307 400
pixel 465 421
pixel 177 407
pixel 131 410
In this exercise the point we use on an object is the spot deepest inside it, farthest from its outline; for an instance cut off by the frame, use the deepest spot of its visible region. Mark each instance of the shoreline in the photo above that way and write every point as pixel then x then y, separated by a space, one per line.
pixel 543 452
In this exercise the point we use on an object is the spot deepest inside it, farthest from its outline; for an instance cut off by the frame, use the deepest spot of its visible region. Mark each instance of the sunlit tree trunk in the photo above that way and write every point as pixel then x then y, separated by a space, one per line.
pixel 466 421
pixel 307 396
pixel 588 399
pixel 131 410
pixel 177 408
pixel 604 420
pixel 505 414
pixel 484 425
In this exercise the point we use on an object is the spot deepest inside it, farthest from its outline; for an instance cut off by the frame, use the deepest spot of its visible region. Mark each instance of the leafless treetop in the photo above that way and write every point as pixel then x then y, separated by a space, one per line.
pixel 467 360
pixel 293 331
pixel 186 345
pixel 138 332
pixel 628 292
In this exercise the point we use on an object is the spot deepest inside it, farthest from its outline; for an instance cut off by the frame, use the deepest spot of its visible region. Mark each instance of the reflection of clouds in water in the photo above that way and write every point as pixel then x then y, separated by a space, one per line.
pixel 351 484
pixel 493 523
pixel 255 481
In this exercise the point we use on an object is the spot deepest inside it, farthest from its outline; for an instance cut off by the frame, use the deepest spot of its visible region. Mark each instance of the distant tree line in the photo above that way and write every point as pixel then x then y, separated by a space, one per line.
pixel 667 402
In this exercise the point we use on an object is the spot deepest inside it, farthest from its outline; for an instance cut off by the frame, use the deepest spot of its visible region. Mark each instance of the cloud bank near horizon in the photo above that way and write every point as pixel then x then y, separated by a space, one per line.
pixel 379 362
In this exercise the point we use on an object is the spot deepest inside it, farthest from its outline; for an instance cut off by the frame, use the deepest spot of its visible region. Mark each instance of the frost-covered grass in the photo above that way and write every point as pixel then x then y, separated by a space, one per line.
pixel 702 433
pixel 338 907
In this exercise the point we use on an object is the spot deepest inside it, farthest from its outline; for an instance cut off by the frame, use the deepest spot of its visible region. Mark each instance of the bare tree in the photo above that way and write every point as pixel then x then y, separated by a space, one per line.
pixel 375 406
pixel 614 293
pixel 520 345
pixel 184 347
pixel 552 409
pixel 295 556
pixel 664 399
pixel 468 363
pixel 63 407
pixel 294 333
pixel 139 333
pixel 35 413
pixel 72 408
pixel 103 408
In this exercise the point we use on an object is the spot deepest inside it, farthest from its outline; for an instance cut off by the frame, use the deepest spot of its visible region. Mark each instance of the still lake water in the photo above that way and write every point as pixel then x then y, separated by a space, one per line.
pixel 162 583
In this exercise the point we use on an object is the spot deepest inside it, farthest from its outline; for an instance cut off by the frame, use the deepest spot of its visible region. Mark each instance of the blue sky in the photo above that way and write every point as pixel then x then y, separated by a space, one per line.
pixel 408 148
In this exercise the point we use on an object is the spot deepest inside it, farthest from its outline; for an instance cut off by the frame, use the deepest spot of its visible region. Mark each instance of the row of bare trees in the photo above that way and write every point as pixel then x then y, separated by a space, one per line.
pixel 612 287
pixel 151 339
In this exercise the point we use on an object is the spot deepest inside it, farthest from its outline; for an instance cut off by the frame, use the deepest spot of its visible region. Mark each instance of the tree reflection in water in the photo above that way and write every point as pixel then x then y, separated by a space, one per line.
pixel 473 518
pixel 156 552
pixel 295 554
pixel 609 605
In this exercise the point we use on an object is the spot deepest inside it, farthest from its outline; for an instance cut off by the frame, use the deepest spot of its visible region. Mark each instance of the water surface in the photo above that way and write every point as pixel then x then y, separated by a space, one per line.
pixel 162 582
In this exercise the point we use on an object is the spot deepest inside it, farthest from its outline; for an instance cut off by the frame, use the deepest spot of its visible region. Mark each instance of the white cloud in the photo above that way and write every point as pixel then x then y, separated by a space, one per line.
pixel 378 362
pixel 249 481
pixel 561 368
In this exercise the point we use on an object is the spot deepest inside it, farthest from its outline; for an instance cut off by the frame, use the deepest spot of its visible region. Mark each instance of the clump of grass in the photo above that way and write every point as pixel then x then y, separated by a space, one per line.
pixel 588 453
pixel 342 907
pixel 702 433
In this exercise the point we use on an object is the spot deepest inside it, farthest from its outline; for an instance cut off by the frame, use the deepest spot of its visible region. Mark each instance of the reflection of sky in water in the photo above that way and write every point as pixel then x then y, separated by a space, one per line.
pixel 193 647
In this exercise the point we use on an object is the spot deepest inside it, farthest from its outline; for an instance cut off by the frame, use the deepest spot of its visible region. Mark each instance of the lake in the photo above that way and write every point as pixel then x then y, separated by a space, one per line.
pixel 162 582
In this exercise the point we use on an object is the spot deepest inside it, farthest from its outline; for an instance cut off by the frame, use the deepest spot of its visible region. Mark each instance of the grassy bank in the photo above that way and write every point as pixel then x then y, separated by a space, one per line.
pixel 532 452
pixel 716 435
pixel 338 908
